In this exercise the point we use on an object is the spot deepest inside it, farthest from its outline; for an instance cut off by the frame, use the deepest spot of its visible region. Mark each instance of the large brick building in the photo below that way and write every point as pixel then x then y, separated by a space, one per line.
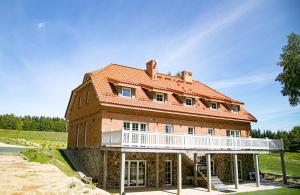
pixel 139 128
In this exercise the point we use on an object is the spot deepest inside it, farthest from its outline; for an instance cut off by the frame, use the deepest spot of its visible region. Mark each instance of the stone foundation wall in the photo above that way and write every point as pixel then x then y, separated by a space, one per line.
pixel 88 161
pixel 224 166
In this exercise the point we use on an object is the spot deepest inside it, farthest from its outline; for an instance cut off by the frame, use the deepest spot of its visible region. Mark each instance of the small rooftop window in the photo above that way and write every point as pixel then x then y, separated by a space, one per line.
pixel 189 101
pixel 160 97
pixel 126 92
pixel 234 108
pixel 214 106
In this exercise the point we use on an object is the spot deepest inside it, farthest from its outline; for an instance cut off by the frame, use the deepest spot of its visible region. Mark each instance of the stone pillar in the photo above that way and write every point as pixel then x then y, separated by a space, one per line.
pixel 104 170
pixel 283 167
pixel 179 174
pixel 236 172
pixel 257 176
pixel 208 166
pixel 122 172
pixel 157 170
pixel 195 170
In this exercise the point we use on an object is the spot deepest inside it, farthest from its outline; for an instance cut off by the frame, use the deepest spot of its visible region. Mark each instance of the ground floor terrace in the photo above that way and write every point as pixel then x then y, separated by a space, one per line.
pixel 245 186
pixel 125 169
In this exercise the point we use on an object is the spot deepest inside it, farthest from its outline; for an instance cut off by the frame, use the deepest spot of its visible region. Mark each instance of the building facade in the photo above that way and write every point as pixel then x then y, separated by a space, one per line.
pixel 130 128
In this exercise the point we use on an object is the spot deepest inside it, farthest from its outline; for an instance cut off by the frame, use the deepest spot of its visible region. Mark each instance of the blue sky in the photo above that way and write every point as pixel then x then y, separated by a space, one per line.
pixel 233 46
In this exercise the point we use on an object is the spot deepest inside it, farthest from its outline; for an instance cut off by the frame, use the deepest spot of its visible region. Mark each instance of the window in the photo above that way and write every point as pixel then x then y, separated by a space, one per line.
pixel 79 102
pixel 135 126
pixel 143 127
pixel 234 108
pixel 168 129
pixel 160 97
pixel 214 106
pixel 77 135
pixel 211 131
pixel 126 92
pixel 168 172
pixel 188 101
pixel 191 130
pixel 85 133
pixel 126 126
pixel 87 97
pixel 233 133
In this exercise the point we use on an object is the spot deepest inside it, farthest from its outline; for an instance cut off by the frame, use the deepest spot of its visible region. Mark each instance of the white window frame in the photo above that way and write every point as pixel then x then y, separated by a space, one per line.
pixel 130 91
pixel 189 99
pixel 211 107
pixel 163 97
pixel 237 108
pixel 213 131
pixel 85 133
pixel 171 175
pixel 139 126
pixel 77 135
pixel 127 183
pixel 234 132
pixel 193 128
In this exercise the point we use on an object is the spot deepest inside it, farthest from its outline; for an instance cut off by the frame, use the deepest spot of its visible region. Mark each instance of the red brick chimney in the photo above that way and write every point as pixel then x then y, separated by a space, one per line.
pixel 186 76
pixel 151 69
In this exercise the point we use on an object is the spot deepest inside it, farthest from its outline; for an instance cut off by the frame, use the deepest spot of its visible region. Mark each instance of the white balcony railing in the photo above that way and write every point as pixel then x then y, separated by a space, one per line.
pixel 121 138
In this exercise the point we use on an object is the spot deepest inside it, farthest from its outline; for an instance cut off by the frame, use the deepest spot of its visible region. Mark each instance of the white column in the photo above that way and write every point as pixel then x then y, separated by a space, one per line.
pixel 122 172
pixel 283 167
pixel 157 170
pixel 257 170
pixel 236 172
pixel 104 170
pixel 179 174
pixel 208 167
pixel 195 170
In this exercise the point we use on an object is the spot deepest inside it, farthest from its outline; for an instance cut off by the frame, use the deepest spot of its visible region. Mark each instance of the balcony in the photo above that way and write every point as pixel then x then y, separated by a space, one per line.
pixel 138 139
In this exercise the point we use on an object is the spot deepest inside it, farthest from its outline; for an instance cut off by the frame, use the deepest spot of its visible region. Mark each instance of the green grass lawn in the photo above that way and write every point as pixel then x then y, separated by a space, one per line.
pixel 279 191
pixel 270 163
pixel 51 144
pixel 52 139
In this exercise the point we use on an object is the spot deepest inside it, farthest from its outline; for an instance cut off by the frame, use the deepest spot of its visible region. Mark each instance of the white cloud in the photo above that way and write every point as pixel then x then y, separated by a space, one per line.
pixel 41 26
pixel 236 82
pixel 199 32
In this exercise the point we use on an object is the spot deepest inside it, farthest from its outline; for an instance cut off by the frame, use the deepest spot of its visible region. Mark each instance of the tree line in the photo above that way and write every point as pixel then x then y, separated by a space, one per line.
pixel 291 138
pixel 33 123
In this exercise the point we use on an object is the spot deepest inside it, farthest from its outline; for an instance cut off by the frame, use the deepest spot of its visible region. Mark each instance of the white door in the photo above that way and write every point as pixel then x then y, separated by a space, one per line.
pixel 169 130
pixel 135 173
pixel 168 172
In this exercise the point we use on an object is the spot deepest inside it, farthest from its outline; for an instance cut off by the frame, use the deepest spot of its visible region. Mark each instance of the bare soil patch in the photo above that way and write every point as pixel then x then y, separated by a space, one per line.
pixel 18 176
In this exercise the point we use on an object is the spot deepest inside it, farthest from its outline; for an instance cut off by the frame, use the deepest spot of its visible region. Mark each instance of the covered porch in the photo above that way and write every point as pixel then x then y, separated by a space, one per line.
pixel 127 155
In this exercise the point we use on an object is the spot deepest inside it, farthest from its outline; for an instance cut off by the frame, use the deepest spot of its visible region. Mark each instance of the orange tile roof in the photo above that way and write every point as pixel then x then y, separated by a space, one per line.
pixel 115 73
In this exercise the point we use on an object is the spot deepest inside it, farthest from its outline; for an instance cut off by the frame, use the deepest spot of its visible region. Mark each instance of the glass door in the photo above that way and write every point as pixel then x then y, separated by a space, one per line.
pixel 135 173
pixel 142 173
pixel 168 172
pixel 168 130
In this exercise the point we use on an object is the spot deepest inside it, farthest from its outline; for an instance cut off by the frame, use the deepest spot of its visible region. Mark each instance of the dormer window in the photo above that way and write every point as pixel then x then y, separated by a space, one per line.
pixel 160 97
pixel 234 108
pixel 126 92
pixel 189 101
pixel 214 106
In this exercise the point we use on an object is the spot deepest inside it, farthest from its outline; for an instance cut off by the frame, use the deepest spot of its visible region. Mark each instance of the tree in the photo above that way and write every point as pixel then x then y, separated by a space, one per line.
pixel 19 127
pixel 290 76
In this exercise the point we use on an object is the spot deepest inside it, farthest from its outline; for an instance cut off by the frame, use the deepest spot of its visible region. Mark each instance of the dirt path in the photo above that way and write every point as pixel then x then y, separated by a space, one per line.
pixel 18 176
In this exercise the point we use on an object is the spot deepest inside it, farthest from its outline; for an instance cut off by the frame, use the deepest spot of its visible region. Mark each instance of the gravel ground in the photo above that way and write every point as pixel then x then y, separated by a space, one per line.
pixel 18 176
